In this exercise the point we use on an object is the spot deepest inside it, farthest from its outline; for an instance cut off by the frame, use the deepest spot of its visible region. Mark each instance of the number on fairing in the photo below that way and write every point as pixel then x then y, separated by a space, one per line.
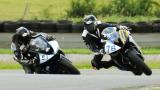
pixel 44 57
pixel 110 47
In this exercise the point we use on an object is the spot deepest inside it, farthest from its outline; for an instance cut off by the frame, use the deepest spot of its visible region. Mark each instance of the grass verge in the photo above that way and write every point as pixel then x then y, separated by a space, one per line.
pixel 154 64
pixel 9 65
pixel 6 51
pixel 151 50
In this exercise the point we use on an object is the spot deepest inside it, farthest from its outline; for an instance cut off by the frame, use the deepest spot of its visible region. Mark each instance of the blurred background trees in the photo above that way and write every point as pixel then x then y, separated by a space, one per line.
pixel 79 8
pixel 115 7
pixel 106 10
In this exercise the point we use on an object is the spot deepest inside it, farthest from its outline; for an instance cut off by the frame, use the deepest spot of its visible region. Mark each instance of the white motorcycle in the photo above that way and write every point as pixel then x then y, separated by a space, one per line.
pixel 45 57
pixel 124 50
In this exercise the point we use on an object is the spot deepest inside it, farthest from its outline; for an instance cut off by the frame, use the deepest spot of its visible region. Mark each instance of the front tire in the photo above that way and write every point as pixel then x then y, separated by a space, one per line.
pixel 66 67
pixel 28 69
pixel 135 59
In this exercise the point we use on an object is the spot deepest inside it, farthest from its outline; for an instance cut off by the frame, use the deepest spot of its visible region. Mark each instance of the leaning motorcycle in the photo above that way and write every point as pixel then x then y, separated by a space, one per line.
pixel 45 57
pixel 123 49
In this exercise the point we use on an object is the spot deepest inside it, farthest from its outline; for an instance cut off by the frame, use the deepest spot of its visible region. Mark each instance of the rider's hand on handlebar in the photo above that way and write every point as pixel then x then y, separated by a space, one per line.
pixel 121 27
pixel 101 51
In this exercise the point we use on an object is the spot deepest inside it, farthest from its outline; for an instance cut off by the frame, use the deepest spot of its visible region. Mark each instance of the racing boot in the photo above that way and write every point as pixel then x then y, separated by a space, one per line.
pixel 107 64
pixel 96 61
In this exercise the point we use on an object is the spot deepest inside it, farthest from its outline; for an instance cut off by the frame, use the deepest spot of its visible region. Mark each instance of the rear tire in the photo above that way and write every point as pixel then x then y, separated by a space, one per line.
pixel 134 58
pixel 138 73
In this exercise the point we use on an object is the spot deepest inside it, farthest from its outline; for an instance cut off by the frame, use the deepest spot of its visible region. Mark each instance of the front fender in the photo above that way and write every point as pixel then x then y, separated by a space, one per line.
pixel 64 59
pixel 136 50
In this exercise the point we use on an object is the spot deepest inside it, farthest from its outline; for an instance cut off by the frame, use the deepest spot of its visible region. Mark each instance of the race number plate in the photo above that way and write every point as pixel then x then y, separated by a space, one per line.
pixel 43 57
pixel 110 47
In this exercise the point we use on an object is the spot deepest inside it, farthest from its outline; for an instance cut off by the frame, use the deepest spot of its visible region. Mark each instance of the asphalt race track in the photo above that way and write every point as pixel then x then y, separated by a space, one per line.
pixel 111 79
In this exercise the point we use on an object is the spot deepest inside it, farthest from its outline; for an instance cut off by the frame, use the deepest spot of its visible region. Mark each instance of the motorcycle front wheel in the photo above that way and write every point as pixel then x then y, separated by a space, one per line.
pixel 136 60
pixel 66 67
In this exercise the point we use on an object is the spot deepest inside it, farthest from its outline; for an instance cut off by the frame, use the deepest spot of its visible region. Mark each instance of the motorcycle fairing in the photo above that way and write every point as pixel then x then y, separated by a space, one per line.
pixel 45 57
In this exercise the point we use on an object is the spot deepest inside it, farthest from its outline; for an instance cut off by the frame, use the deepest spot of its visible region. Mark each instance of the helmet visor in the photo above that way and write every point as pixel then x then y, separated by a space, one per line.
pixel 90 27
pixel 89 22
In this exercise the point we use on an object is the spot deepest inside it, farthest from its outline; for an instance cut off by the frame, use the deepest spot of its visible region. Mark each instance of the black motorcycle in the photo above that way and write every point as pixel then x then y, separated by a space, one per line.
pixel 124 51
pixel 45 57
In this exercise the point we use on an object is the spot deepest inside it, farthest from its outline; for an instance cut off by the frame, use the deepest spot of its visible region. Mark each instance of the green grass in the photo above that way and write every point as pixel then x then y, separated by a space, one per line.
pixel 9 65
pixel 77 51
pixel 6 51
pixel 151 50
pixel 117 18
pixel 154 64
pixel 87 51
pixel 83 66
pixel 13 10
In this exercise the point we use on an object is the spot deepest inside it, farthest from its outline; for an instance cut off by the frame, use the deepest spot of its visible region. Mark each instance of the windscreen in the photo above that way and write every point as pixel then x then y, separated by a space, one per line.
pixel 38 44
pixel 110 33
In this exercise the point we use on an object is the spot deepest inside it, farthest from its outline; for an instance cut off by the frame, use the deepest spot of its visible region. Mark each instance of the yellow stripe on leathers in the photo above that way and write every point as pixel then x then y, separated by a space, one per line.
pixel 123 35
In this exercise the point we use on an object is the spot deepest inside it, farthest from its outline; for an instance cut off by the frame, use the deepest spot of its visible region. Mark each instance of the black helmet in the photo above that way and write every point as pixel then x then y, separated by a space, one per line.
pixel 90 22
pixel 89 19
pixel 24 33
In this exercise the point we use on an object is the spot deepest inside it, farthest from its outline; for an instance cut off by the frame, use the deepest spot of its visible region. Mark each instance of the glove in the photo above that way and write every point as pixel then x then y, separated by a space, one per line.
pixel 101 51
pixel 50 38
pixel 25 61
pixel 24 48
pixel 17 55
pixel 123 27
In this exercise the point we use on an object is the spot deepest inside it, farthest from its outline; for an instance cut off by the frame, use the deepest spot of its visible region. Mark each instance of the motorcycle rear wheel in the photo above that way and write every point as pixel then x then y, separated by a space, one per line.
pixel 137 73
